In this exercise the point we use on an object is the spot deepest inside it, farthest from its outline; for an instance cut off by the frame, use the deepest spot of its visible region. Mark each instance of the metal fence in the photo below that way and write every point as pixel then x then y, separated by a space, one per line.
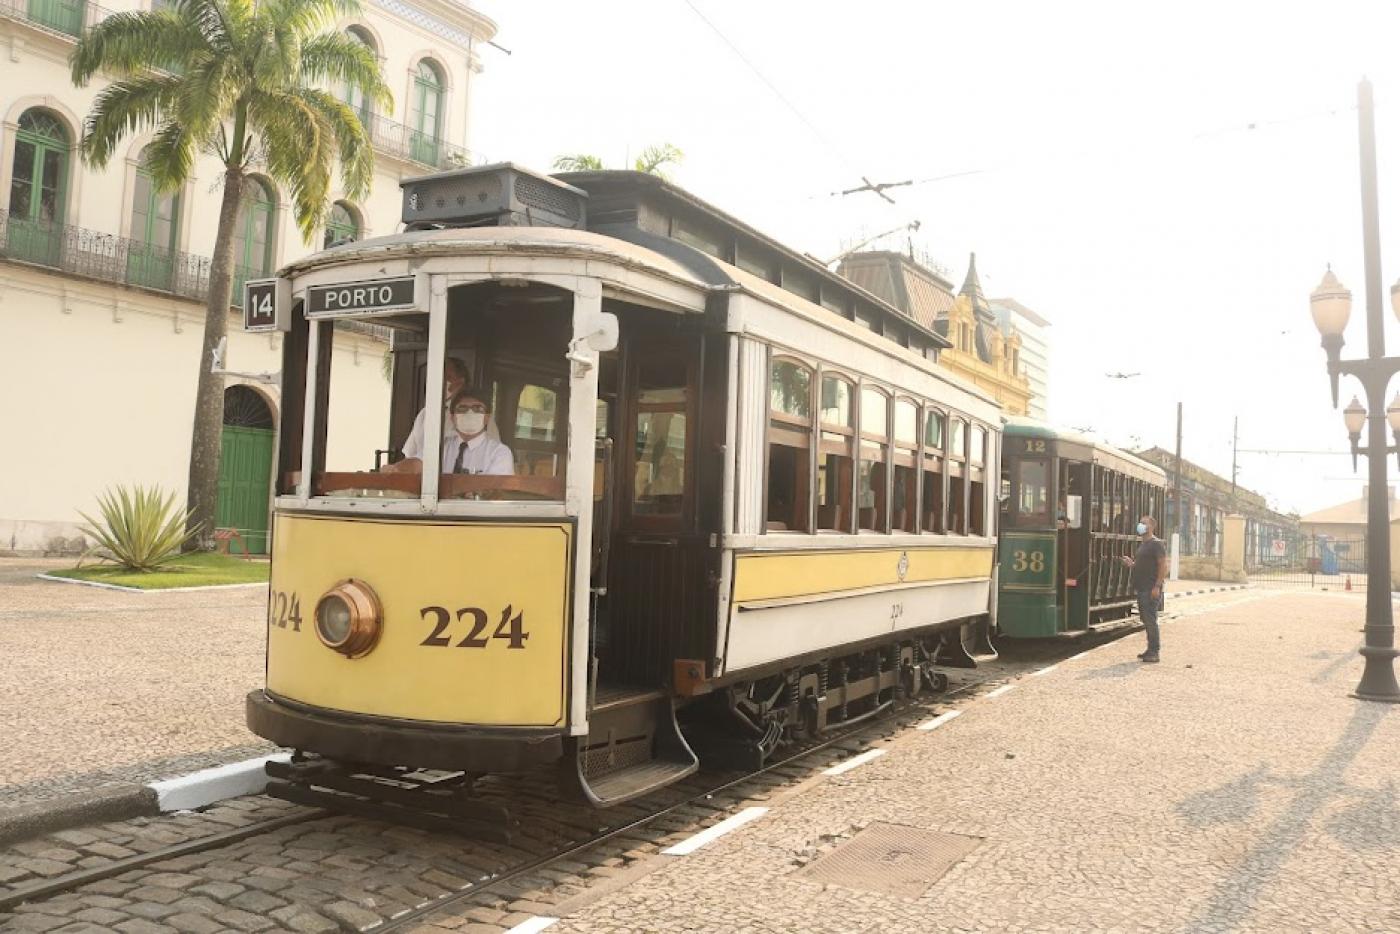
pixel 109 258
pixel 1320 562
pixel 404 142
pixel 63 17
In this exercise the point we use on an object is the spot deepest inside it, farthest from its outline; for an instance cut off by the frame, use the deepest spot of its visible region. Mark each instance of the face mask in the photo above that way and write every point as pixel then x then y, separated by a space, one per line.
pixel 469 423
pixel 1142 528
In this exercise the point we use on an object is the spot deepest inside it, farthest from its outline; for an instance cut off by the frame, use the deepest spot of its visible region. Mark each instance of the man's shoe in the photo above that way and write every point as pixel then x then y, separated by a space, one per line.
pixel 1142 655
pixel 1149 657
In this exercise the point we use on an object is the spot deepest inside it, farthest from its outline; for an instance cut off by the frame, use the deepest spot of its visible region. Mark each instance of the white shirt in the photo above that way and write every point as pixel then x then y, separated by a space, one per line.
pixel 484 455
pixel 413 444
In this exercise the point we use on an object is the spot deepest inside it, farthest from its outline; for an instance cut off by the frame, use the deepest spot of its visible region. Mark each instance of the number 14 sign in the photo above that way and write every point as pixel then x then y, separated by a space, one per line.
pixel 267 304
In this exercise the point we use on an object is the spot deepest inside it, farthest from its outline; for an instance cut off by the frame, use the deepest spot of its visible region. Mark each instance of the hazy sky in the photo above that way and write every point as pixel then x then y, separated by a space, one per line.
pixel 1165 186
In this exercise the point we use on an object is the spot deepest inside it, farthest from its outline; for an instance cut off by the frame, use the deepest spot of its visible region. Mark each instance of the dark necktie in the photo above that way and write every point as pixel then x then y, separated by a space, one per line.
pixel 461 453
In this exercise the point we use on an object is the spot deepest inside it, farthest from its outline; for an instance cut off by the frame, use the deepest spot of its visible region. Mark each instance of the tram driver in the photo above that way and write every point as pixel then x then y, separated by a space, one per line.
pixel 467 443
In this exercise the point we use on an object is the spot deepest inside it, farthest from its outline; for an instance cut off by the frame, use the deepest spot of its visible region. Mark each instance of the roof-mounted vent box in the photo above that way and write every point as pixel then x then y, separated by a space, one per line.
pixel 498 195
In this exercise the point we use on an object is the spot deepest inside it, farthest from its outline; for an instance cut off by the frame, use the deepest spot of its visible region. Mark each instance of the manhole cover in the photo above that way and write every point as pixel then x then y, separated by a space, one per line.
pixel 892 859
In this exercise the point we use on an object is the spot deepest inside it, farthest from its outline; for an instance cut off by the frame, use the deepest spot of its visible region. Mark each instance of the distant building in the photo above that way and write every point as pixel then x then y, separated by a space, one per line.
pixel 980 353
pixel 1015 318
pixel 1207 499
pixel 1345 520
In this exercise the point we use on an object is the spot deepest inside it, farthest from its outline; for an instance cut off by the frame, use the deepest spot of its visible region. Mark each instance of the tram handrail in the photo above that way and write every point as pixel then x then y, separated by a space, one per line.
pixel 450 486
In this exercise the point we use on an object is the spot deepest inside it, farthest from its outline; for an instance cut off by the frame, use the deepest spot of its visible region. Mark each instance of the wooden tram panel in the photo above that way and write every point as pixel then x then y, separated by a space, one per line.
pixel 1054 578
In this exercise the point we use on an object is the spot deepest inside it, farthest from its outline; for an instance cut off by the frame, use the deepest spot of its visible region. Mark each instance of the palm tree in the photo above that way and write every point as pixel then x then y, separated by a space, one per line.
pixel 581 162
pixel 652 161
pixel 241 80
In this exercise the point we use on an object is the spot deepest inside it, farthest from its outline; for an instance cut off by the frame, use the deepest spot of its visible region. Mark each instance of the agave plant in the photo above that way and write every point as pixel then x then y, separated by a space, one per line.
pixel 140 529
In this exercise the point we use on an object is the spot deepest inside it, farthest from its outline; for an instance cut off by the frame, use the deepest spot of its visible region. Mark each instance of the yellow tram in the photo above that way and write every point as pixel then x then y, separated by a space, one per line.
pixel 738 501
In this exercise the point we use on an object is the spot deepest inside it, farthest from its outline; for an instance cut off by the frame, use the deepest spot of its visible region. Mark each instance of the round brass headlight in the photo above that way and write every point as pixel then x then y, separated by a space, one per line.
pixel 349 618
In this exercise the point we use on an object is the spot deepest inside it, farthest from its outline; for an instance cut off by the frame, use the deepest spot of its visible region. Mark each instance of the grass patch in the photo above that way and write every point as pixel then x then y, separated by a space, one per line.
pixel 195 570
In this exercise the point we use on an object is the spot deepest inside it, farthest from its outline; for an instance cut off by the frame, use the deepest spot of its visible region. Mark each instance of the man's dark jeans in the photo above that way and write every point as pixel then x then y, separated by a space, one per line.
pixel 1147 609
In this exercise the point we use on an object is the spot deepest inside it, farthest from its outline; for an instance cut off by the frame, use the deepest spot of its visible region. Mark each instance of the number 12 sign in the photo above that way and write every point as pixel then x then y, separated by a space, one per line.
pixel 266 304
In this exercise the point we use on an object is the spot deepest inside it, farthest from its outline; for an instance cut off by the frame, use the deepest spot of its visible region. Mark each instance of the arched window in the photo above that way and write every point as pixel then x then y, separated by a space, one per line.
pixel 351 94
pixel 342 226
pixel 39 187
pixel 789 447
pixel 835 455
pixel 904 507
pixel 154 223
pixel 252 236
pixel 425 113
pixel 874 457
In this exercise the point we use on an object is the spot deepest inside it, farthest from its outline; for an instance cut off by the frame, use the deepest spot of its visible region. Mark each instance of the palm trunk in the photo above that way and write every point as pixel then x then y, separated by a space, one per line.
pixel 207 439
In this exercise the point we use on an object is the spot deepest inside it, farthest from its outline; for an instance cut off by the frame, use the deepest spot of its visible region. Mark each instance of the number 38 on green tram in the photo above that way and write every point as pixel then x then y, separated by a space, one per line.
pixel 1070 508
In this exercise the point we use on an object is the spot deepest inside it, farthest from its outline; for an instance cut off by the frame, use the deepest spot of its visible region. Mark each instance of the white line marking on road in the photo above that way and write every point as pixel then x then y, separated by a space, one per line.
pixel 1044 671
pixel 532 925
pixel 1000 691
pixel 733 822
pixel 854 762
pixel 939 720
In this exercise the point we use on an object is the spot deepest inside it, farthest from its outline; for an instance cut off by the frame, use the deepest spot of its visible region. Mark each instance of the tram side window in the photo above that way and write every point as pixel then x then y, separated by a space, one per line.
pixel 835 456
pixel 789 445
pixel 1033 493
pixel 904 506
pixel 935 437
pixel 957 477
pixel 874 456
pixel 977 497
pixel 659 480
pixel 536 436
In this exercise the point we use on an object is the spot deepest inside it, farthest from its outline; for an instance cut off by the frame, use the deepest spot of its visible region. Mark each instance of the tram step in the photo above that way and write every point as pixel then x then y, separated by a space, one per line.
pixel 631 749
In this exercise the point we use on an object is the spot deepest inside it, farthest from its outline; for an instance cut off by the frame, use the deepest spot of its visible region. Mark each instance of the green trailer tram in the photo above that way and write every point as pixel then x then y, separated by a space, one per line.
pixel 1070 508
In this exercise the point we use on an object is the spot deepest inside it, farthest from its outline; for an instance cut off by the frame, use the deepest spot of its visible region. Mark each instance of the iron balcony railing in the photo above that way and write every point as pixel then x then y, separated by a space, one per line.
pixel 109 258
pixel 404 142
pixel 64 17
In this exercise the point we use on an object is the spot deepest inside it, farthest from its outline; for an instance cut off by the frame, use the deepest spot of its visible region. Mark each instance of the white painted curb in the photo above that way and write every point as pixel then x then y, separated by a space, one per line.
pixel 121 589
pixel 734 822
pixel 854 762
pixel 205 787
pixel 533 925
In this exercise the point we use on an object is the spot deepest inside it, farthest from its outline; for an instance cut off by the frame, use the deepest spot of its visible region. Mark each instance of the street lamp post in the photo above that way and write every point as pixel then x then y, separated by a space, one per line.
pixel 1331 307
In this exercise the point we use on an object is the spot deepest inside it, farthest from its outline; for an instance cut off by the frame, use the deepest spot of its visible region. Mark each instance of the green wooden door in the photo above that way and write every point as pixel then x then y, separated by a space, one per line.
pixel 425 115
pixel 245 473
pixel 62 15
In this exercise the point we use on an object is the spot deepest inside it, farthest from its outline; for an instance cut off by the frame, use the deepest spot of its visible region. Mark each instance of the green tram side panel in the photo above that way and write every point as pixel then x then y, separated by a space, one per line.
pixel 1026 605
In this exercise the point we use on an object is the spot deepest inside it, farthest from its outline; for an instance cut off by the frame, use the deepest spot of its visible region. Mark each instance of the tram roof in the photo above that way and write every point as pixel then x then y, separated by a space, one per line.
pixel 1020 426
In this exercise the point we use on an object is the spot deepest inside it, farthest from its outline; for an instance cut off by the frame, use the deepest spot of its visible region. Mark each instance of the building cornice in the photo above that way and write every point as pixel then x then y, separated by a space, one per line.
pixel 457 23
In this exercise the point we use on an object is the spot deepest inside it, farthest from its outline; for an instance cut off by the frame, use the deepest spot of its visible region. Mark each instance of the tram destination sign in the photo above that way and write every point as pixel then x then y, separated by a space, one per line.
pixel 365 297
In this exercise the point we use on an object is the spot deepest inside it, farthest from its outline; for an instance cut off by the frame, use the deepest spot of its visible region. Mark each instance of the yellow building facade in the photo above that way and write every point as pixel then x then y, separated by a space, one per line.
pixel 980 353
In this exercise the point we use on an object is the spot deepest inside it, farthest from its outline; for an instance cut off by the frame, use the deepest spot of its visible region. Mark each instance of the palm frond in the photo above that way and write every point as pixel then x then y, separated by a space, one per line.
pixel 170 156
pixel 133 43
pixel 355 148
pixel 304 18
pixel 655 157
pixel 335 58
pixel 578 162
pixel 300 149
pixel 122 108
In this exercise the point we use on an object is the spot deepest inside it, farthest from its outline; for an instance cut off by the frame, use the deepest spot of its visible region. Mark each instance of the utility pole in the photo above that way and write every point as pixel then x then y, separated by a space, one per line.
pixel 1234 464
pixel 1176 481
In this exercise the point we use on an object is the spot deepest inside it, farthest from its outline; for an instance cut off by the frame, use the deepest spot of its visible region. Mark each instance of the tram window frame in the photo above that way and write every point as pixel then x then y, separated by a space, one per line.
pixel 935 456
pixel 1039 518
pixel 836 454
pixel 678 358
pixel 877 480
pixel 904 498
pixel 957 470
pixel 977 480
pixel 789 449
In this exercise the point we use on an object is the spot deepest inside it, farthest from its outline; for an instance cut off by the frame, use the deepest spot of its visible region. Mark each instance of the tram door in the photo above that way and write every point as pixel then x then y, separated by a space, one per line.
pixel 1074 548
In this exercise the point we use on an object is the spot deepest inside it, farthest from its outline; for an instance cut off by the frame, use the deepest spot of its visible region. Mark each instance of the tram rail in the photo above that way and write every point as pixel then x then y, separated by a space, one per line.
pixel 687 804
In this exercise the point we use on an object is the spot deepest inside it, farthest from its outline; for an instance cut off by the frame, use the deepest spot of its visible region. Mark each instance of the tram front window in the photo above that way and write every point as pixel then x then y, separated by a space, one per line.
pixel 1033 493
pixel 503 408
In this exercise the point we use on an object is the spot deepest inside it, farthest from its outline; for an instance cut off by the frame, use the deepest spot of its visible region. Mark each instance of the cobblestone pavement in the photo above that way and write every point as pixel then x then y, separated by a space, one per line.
pixel 350 874
pixel 104 687
pixel 1234 787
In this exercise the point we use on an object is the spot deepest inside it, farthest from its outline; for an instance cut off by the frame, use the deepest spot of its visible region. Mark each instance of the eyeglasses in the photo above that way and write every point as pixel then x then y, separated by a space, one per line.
pixel 479 408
